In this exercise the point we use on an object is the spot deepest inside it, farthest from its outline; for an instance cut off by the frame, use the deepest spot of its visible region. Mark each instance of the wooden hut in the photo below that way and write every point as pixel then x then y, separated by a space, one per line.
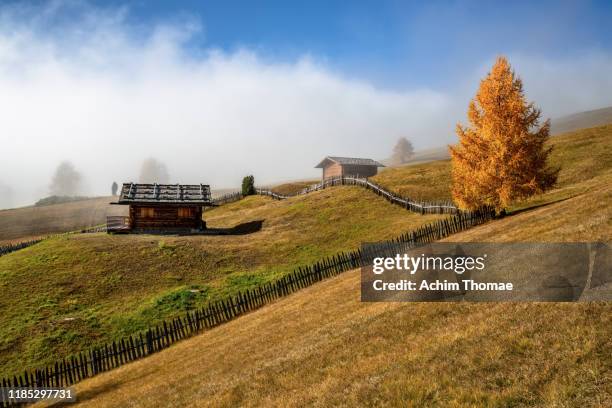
pixel 334 166
pixel 162 208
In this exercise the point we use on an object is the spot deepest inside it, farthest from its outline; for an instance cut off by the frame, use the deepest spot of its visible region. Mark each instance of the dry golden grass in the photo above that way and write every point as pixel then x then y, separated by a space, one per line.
pixel 293 187
pixel 23 223
pixel 323 347
pixel 585 217
pixel 581 155
pixel 429 181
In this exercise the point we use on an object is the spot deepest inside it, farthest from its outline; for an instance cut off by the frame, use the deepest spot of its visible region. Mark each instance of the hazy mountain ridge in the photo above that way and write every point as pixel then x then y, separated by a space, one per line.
pixel 563 124
pixel 581 120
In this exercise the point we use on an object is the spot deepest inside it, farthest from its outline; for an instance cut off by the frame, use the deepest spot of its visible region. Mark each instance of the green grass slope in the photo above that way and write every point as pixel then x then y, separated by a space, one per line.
pixel 323 347
pixel 69 292
pixel 112 285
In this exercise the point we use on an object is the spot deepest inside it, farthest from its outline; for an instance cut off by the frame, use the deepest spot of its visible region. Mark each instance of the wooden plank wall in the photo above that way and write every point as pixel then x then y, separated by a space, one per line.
pixel 332 170
pixel 356 170
pixel 160 217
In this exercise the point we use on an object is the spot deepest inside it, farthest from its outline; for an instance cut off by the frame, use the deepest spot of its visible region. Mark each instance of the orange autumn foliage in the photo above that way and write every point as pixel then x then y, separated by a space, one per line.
pixel 502 156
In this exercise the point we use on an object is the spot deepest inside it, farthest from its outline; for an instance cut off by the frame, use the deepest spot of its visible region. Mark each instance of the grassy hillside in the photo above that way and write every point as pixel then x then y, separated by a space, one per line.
pixel 293 187
pixel 423 156
pixel 581 120
pixel 323 347
pixel 25 222
pixel 561 125
pixel 68 292
pixel 582 155
pixel 429 181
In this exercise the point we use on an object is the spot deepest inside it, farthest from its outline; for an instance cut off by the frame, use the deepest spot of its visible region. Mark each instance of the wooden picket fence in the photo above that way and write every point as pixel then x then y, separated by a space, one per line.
pixel 227 198
pixel 7 249
pixel 422 207
pixel 70 370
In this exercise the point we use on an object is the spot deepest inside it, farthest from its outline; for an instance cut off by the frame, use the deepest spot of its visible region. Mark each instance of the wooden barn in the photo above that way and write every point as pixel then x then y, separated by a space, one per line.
pixel 334 166
pixel 162 208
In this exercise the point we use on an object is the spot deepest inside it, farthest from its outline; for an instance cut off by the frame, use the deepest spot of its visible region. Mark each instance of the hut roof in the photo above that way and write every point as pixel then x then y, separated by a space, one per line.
pixel 194 194
pixel 349 161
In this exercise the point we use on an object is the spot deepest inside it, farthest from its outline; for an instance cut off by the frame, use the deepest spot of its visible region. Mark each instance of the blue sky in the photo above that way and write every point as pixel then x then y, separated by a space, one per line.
pixel 254 87
pixel 392 43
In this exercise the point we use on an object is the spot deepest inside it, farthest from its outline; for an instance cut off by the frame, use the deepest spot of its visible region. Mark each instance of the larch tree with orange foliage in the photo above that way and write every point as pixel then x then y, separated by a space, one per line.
pixel 502 156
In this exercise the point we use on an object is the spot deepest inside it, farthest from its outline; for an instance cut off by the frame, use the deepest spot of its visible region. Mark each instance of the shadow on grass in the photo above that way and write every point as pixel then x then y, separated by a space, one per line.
pixel 240 229
pixel 87 395
pixel 534 207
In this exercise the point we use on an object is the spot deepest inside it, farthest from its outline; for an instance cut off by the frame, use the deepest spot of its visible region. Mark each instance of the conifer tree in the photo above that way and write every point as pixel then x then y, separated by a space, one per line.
pixel 248 185
pixel 502 156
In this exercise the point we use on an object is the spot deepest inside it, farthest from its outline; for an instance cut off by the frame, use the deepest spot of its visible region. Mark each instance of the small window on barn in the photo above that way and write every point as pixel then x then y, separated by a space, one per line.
pixel 147 212
pixel 185 212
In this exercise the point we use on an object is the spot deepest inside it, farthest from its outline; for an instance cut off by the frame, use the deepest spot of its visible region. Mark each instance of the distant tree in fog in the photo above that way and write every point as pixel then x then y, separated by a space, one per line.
pixel 6 196
pixel 153 171
pixel 402 152
pixel 66 181
pixel 114 188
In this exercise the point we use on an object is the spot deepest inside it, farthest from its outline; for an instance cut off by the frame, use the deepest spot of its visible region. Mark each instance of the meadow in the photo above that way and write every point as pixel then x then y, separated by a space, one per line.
pixel 70 292
pixel 323 346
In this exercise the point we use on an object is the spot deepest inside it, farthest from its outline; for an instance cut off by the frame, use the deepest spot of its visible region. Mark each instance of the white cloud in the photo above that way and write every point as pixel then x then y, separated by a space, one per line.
pixel 559 86
pixel 569 84
pixel 106 99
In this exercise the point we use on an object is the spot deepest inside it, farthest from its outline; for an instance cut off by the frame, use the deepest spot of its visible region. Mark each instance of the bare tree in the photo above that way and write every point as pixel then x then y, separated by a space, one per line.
pixel 66 180
pixel 402 152
pixel 154 171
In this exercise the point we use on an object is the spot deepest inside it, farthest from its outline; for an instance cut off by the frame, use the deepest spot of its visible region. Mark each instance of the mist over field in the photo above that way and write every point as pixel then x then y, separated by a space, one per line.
pixel 106 95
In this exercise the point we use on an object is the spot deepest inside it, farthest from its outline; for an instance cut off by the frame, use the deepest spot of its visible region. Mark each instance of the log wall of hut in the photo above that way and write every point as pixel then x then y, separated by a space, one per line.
pixel 358 170
pixel 355 170
pixel 165 217
pixel 332 170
